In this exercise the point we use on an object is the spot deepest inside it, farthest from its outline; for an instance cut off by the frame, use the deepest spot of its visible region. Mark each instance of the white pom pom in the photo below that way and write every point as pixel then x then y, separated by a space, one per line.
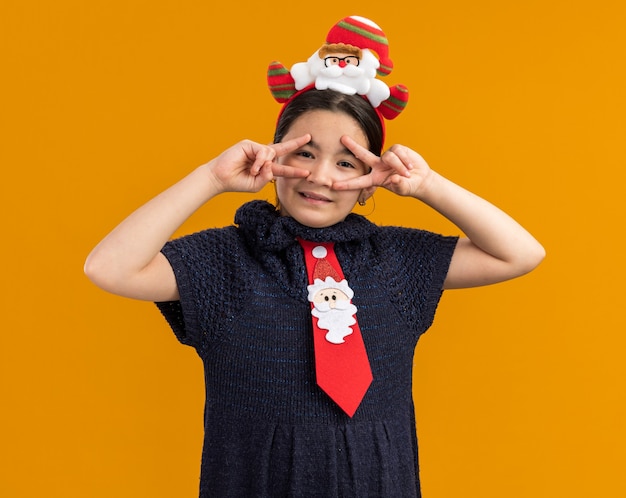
pixel 319 252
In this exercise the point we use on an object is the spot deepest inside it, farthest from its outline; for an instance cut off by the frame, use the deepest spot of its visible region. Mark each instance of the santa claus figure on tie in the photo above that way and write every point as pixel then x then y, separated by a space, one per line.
pixel 331 298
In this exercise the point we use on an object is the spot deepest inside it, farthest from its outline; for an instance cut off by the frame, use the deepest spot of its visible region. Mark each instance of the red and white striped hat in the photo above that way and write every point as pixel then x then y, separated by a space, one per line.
pixel 363 33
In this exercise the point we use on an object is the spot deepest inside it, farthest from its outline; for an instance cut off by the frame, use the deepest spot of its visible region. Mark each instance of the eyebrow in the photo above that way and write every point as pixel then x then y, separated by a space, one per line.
pixel 344 149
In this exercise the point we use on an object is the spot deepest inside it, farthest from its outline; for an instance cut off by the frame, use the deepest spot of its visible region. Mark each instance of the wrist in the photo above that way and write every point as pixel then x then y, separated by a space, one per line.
pixel 427 188
pixel 208 180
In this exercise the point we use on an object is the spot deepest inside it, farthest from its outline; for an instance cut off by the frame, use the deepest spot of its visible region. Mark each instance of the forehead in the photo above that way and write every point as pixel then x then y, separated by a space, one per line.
pixel 328 127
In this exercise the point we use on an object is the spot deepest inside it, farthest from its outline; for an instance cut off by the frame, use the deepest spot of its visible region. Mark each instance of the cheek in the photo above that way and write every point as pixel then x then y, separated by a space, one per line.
pixel 283 186
pixel 353 198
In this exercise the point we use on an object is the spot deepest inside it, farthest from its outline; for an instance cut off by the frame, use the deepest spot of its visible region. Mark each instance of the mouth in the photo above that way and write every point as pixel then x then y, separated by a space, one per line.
pixel 314 197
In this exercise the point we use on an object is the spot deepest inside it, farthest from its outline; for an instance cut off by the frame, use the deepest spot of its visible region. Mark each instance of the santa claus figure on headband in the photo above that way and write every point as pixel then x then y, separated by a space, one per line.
pixel 343 68
pixel 355 52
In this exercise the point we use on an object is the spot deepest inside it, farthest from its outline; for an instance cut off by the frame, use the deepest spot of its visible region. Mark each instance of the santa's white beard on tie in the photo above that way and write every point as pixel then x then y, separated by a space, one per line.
pixel 337 320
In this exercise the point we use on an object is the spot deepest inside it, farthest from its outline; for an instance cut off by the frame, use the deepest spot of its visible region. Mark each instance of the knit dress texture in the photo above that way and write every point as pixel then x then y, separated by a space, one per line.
pixel 270 431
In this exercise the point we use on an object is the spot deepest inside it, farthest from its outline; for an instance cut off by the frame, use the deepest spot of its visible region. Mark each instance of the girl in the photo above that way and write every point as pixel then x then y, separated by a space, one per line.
pixel 242 296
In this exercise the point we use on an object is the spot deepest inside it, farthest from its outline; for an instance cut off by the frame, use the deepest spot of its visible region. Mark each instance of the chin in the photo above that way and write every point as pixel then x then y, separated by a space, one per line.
pixel 321 224
pixel 312 221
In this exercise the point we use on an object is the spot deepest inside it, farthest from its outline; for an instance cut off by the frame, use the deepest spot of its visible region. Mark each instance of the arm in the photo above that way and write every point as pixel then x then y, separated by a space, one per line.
pixel 128 261
pixel 496 247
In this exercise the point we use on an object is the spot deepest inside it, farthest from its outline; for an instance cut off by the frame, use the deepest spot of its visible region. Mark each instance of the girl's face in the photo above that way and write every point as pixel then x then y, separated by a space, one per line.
pixel 311 200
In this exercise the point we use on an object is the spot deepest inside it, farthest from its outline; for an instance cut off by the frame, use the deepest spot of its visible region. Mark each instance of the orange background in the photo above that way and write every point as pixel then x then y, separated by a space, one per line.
pixel 519 387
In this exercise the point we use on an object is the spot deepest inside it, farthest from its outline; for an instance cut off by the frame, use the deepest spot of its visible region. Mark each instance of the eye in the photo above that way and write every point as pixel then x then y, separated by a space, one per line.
pixel 304 153
pixel 345 164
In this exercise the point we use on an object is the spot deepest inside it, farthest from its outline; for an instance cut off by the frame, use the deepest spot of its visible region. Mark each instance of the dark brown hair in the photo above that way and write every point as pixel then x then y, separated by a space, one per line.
pixel 354 106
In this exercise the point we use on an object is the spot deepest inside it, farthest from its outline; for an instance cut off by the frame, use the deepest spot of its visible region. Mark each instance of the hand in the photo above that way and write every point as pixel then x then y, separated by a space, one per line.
pixel 248 166
pixel 495 247
pixel 400 170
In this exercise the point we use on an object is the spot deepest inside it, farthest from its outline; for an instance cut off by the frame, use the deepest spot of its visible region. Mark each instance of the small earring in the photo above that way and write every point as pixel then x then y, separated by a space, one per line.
pixel 362 202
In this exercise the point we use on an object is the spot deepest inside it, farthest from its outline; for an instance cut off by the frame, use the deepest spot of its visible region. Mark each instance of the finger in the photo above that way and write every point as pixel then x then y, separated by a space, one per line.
pixel 263 155
pixel 397 162
pixel 289 171
pixel 282 148
pixel 265 174
pixel 358 183
pixel 361 153
pixel 405 154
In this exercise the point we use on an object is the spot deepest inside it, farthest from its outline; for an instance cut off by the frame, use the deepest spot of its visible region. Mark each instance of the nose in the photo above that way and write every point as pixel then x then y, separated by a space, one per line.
pixel 321 174
pixel 342 63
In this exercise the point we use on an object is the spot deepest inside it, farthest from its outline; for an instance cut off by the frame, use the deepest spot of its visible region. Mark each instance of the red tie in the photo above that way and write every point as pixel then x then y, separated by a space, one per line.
pixel 341 363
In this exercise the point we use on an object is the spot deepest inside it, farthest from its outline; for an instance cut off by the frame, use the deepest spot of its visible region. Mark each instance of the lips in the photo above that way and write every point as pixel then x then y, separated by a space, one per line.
pixel 312 196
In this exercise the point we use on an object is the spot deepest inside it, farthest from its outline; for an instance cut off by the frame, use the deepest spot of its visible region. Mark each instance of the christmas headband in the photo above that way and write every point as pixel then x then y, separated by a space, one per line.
pixel 355 52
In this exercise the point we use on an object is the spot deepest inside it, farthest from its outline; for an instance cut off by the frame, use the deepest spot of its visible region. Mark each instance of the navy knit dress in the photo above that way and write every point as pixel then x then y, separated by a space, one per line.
pixel 269 430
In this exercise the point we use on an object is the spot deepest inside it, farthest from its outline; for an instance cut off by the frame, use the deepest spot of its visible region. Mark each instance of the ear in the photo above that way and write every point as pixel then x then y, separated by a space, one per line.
pixel 366 193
